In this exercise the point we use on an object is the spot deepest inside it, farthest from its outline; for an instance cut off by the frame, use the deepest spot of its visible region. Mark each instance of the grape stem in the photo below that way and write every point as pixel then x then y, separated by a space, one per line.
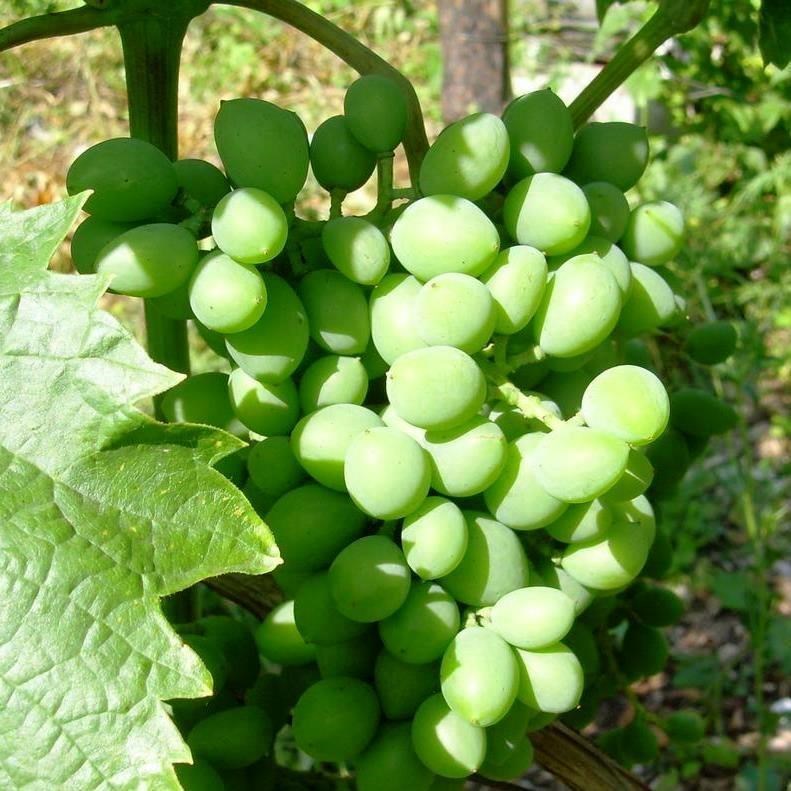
pixel 336 202
pixel 672 18
pixel 529 405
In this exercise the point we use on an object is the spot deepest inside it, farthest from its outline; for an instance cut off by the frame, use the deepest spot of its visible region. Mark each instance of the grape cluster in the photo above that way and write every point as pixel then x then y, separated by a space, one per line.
pixel 453 419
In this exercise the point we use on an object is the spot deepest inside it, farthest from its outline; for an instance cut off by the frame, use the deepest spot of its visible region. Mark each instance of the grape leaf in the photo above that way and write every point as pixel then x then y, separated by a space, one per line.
pixel 102 512
pixel 774 32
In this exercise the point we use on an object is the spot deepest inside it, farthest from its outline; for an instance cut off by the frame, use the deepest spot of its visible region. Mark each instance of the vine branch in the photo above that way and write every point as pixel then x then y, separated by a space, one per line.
pixel 62 23
pixel 358 56
pixel 672 18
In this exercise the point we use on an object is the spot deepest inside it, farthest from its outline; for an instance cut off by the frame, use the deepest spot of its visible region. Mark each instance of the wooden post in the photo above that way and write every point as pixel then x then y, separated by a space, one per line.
pixel 474 37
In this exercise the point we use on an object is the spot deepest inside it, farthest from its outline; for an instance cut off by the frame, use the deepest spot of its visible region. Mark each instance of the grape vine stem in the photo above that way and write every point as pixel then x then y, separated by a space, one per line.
pixel 672 18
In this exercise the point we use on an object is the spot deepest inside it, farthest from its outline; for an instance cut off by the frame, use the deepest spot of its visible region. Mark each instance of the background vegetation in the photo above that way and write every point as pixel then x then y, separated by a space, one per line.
pixel 720 151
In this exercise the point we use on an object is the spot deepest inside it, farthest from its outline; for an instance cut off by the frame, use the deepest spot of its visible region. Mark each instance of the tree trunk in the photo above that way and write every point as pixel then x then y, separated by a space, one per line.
pixel 474 36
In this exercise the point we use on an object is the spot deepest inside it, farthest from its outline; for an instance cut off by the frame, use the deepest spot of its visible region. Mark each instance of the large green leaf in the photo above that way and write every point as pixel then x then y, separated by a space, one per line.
pixel 102 512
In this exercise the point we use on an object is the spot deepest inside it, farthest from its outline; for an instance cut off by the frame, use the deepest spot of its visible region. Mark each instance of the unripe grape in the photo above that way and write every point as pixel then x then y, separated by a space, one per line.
pixel 226 296
pixel 393 328
pixel 201 181
pixel 148 261
pixel 262 146
pixel 533 617
pixel 548 212
pixel 541 133
pixel 401 686
pixel 131 179
pixel 551 678
pixel 701 414
pixel 375 110
pixel 613 151
pixel 249 226
pixel 709 343
pixel 434 538
pixel 357 248
pixel 234 738
pixel 266 409
pixel 90 237
pixel 279 640
pixel 609 210
pixel 337 159
pixel 650 303
pixel 654 233
pixel 468 158
pixel 333 380
pixel 391 764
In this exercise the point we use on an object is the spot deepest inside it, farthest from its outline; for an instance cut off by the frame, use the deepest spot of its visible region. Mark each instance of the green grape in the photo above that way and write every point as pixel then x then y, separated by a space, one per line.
pixel 333 380
pixel 533 617
pixel 650 303
pixel 234 467
pixel 270 410
pixel 357 249
pixel 148 261
pixel 582 288
pixel 131 180
pixel 337 312
pixel 445 742
pixel 468 158
pixel 375 366
pixel 635 480
pixel 548 212
pixel 312 524
pixel 237 645
pixel 506 733
pixel 421 629
pixel 263 146
pixel 90 237
pixel 701 414
pixel 391 764
pixel 249 226
pixel 186 713
pixel 644 651
pixel 202 398
pixel 455 310
pixel 175 304
pixel 401 686
pixel 708 344
pixel 391 418
pixel 566 390
pixel 198 776
pixel 660 557
pixel 201 181
pixel 438 387
pixel 582 642
pixel 511 420
pixel 279 640
pixel 317 617
pixel 393 328
pixel 581 522
pixel 386 472
pixel 638 742
pixel 609 256
pixel 337 159
pixel 353 658
pixel 479 676
pixel 444 233
pixel 614 152
pixel 494 563
pixel 516 498
pixel 656 606
pixel 627 402
pixel 670 458
pixel 434 538
pixel 546 573
pixel 369 579
pixel 550 679
pixel 654 233
pixel 226 296
pixel 516 281
pixel 321 440
pixel 637 352
pixel 335 719
pixel 234 738
pixel 685 727
pixel 273 348
pixel 518 761
pixel 375 110
pixel 609 210
pixel 541 133
pixel 212 657
pixel 577 464
pixel 611 562
pixel 637 510
pixel 466 459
